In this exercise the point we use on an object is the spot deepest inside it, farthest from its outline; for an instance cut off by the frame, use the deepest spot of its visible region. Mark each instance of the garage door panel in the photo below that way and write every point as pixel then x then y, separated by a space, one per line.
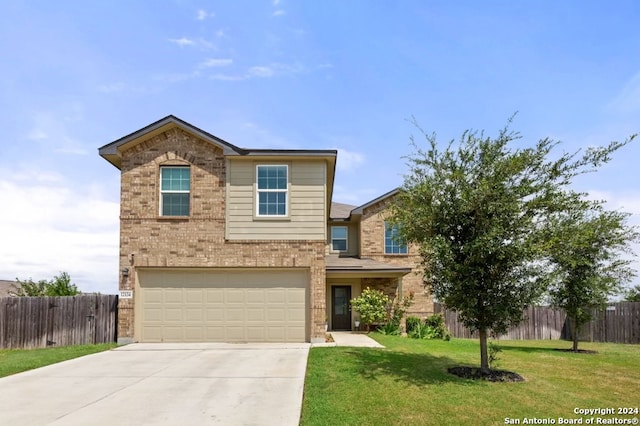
pixel 173 295
pixel 153 295
pixel 255 314
pixel 194 315
pixel 152 314
pixel 214 315
pixel 242 306
pixel 193 334
pixel 172 315
pixel 295 314
pixel 235 296
pixel 215 295
pixel 276 296
pixel 193 295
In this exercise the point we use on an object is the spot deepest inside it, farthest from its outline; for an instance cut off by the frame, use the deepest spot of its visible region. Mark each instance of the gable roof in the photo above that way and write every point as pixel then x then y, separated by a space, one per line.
pixel 112 151
pixel 360 209
pixel 341 211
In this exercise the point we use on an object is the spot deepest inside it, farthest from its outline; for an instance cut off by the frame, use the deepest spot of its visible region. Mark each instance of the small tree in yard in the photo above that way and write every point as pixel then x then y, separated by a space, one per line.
pixel 60 285
pixel 372 306
pixel 586 244
pixel 476 211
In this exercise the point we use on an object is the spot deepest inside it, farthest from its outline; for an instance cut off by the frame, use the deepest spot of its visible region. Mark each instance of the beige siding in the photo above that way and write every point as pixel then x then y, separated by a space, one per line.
pixel 307 199
pixel 353 240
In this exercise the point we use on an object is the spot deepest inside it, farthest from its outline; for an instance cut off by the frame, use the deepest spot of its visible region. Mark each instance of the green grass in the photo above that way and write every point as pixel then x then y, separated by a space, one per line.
pixel 14 361
pixel 407 383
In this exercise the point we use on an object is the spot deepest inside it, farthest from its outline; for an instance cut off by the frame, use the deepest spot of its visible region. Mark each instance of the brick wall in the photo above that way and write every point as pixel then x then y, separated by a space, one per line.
pixel 147 240
pixel 372 246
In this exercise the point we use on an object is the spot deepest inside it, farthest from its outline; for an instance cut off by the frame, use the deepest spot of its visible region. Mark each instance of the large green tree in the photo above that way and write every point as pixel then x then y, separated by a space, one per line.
pixel 476 210
pixel 589 250
pixel 60 285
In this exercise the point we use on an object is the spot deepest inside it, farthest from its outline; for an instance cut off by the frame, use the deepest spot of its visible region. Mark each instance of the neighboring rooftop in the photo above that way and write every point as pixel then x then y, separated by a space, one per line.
pixel 5 287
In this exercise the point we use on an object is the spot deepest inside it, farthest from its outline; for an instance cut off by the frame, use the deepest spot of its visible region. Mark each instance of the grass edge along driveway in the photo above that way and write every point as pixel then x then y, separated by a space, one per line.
pixel 407 383
pixel 13 361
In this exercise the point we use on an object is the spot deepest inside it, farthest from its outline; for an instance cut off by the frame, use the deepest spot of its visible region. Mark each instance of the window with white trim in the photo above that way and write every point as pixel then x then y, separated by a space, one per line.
pixel 175 185
pixel 339 237
pixel 272 186
pixel 393 243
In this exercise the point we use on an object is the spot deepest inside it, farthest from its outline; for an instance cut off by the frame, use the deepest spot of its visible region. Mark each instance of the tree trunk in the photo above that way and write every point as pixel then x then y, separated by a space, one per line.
pixel 574 333
pixel 484 357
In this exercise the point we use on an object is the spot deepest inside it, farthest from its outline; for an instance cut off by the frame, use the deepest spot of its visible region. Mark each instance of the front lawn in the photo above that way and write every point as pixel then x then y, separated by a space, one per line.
pixel 14 361
pixel 407 383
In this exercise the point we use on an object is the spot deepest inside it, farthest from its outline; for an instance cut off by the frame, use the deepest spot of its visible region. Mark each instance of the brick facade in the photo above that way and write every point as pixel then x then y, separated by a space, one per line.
pixel 372 246
pixel 148 240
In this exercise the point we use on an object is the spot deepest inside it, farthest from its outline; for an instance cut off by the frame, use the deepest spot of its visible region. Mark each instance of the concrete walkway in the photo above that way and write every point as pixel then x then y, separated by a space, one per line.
pixel 349 338
pixel 163 384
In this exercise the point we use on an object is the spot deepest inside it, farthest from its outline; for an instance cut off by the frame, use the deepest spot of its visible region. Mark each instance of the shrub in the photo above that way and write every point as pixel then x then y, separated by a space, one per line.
pixel 413 323
pixel 432 327
pixel 390 328
pixel 372 306
pixel 494 354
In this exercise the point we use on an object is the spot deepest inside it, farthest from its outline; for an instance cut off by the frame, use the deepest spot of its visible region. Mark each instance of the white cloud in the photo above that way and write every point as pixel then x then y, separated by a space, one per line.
pixel 55 226
pixel 262 71
pixel 200 42
pixel 279 12
pixel 183 41
pixel 212 63
pixel 348 161
pixel 626 202
pixel 276 2
pixel 52 130
pixel 203 14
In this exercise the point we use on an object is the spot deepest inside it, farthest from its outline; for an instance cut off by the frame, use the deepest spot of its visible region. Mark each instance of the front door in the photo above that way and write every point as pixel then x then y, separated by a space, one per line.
pixel 341 307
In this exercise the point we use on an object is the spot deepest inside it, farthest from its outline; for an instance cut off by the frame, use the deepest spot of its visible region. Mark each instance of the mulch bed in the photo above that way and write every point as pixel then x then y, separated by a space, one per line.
pixel 491 376
pixel 579 351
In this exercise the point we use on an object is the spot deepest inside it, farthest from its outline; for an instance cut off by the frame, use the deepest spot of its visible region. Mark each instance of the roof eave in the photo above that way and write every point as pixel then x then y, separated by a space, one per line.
pixel 360 210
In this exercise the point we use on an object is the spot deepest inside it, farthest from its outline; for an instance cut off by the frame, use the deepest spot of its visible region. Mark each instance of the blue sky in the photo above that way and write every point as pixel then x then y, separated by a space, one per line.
pixel 344 75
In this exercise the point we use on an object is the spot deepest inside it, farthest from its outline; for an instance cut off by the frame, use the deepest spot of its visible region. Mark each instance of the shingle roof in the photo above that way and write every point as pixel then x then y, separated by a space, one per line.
pixel 5 287
pixel 340 211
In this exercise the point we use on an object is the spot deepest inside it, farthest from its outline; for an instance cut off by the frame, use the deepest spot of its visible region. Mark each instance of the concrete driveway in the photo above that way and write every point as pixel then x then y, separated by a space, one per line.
pixel 163 384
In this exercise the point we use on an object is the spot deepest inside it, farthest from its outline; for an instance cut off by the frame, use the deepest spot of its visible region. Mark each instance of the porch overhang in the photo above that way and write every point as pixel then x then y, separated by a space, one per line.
pixel 354 267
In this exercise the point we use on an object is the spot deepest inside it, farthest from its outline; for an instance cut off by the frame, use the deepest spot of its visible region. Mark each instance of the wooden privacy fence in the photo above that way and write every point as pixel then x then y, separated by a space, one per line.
pixel 38 322
pixel 619 323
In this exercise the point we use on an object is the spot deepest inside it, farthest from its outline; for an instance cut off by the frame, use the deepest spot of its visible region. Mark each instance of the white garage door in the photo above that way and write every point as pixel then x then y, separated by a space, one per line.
pixel 221 306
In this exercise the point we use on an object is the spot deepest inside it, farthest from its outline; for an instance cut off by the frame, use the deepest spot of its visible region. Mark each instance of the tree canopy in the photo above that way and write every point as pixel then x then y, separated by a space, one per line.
pixel 587 247
pixel 477 210
pixel 60 285
pixel 633 294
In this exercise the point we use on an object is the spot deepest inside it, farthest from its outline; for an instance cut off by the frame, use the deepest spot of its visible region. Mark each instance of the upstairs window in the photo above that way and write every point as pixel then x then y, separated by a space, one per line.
pixel 272 186
pixel 339 238
pixel 175 184
pixel 393 244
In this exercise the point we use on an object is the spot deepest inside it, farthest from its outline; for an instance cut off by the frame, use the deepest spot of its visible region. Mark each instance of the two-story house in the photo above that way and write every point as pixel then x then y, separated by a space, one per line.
pixel 226 244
